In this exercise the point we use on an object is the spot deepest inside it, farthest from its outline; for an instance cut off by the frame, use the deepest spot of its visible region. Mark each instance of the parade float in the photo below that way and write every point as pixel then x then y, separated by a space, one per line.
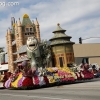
pixel 34 63
pixel 35 72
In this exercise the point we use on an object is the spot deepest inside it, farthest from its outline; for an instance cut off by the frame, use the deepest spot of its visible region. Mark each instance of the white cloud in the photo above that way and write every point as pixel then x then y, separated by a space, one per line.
pixel 79 17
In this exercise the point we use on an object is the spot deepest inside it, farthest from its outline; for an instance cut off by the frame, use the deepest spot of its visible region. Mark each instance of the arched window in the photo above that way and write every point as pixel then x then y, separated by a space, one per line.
pixel 27 29
pixel 31 29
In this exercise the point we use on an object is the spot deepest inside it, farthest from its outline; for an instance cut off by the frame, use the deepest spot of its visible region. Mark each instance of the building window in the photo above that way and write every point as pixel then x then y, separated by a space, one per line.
pixel 61 61
pixel 25 33
pixel 53 61
pixel 31 29
pixel 31 33
pixel 27 29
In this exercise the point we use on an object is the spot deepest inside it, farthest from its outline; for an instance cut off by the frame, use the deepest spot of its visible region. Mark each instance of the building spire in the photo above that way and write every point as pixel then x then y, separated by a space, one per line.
pixel 32 21
pixel 59 29
pixel 12 22
pixel 9 31
pixel 16 21
pixel 19 22
pixel 16 25
pixel 36 22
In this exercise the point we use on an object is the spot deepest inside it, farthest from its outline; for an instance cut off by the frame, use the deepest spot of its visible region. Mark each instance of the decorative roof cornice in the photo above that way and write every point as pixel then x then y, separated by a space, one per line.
pixel 58 29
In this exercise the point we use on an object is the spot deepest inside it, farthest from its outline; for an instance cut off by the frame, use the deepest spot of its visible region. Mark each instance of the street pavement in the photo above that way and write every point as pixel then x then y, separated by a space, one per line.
pixel 89 90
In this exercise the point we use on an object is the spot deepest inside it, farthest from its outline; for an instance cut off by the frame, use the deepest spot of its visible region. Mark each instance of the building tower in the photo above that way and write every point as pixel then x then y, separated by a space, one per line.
pixel 20 34
pixel 7 45
pixel 62 48
pixel 10 50
pixel 37 30
pixel 17 36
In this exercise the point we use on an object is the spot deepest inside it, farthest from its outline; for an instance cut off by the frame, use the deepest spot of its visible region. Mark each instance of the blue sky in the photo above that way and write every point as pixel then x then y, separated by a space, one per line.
pixel 81 18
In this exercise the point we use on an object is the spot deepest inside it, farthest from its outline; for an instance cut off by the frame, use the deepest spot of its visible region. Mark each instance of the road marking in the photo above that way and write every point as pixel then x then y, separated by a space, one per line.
pixel 29 96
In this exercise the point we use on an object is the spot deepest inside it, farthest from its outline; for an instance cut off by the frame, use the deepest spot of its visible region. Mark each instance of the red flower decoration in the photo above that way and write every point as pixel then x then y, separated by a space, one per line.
pixel 27 82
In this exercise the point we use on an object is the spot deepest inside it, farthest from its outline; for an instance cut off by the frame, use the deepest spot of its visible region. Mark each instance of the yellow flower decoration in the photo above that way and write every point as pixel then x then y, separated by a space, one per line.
pixel 14 84
pixel 14 25
pixel 25 16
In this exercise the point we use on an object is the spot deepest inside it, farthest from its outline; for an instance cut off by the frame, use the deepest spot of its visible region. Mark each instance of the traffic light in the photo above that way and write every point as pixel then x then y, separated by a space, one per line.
pixel 80 40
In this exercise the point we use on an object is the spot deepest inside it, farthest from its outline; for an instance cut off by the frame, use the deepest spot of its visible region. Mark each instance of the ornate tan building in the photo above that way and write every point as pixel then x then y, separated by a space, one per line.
pixel 17 37
pixel 62 48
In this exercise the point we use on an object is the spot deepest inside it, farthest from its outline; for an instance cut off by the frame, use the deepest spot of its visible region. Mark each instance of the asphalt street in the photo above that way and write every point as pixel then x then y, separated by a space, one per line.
pixel 79 91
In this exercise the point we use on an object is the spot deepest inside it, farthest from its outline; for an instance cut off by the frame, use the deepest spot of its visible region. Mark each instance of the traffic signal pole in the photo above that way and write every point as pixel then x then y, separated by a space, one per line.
pixel 80 39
